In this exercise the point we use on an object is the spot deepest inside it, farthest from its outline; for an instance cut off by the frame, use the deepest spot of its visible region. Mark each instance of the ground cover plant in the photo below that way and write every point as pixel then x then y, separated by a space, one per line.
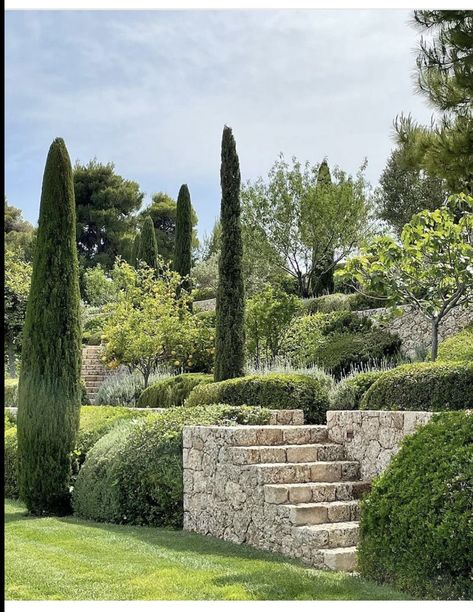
pixel 417 523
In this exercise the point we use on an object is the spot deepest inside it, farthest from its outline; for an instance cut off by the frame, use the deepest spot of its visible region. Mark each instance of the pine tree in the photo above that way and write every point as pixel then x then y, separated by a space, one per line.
pixel 322 275
pixel 49 394
pixel 182 245
pixel 147 246
pixel 230 308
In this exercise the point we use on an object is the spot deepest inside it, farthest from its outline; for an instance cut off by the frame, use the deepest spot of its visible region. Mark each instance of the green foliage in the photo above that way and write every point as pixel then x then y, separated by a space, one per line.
pixel 93 320
pixel 205 278
pixel 11 391
pixel 19 235
pixel 10 458
pixel 99 287
pixel 183 241
pixel 431 268
pixel 172 391
pixel 105 203
pixel 134 474
pixel 348 392
pixel 268 317
pixel 49 390
pixel 230 308
pixel 458 347
pixel 275 391
pixel 422 386
pixel 416 529
pixel 147 247
pixel 294 223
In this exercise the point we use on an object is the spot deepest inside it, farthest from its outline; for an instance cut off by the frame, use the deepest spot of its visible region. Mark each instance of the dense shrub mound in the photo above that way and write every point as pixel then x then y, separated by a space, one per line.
pixel 416 528
pixel 134 473
pixel 348 393
pixel 172 391
pixel 11 391
pixel 275 391
pixel 422 386
pixel 334 302
pixel 458 347
pixel 95 421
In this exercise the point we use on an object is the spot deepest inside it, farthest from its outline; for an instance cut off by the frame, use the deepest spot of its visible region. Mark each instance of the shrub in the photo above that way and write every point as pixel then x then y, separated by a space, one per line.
pixel 349 391
pixel 422 386
pixel 172 391
pixel 11 391
pixel 416 529
pixel 276 391
pixel 459 347
pixel 124 389
pixel 134 474
pixel 329 303
pixel 10 458
pixel 341 353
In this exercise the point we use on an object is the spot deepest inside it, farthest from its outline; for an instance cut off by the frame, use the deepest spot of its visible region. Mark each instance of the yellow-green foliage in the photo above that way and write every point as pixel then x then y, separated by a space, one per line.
pixel 11 391
pixel 459 347
pixel 172 391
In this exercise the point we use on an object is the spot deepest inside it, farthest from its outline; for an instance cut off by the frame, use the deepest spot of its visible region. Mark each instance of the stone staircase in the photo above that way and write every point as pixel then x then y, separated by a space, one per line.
pixel 93 372
pixel 301 495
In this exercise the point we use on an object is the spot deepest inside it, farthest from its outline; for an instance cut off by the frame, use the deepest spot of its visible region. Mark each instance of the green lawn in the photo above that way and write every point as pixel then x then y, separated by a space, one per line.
pixel 72 559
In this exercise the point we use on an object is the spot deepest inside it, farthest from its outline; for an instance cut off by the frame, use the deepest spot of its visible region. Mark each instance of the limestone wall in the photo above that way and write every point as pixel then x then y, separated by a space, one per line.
pixel 414 330
pixel 372 437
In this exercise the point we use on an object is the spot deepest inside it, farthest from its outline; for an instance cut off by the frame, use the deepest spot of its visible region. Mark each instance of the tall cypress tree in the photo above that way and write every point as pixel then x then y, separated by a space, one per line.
pixel 49 393
pixel 182 245
pixel 322 275
pixel 230 308
pixel 147 246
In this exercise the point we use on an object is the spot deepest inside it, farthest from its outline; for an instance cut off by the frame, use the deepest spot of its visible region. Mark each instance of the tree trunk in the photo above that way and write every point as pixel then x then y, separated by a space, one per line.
pixel 435 338
pixel 11 360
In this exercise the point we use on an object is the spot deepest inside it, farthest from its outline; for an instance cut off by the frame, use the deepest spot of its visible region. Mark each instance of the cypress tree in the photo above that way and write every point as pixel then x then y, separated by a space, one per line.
pixel 230 308
pixel 49 394
pixel 134 250
pixel 183 241
pixel 322 279
pixel 147 246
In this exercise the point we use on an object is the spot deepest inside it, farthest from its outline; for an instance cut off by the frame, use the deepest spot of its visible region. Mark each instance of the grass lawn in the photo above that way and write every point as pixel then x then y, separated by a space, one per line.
pixel 72 559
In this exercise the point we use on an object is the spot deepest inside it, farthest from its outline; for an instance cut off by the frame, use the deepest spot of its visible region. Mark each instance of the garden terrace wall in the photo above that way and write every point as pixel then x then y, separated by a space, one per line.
pixel 372 437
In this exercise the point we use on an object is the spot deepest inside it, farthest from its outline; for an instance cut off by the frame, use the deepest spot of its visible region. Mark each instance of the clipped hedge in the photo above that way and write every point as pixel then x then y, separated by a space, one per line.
pixel 275 391
pixel 340 354
pixel 416 529
pixel 11 391
pixel 422 386
pixel 134 473
pixel 10 454
pixel 172 391
pixel 348 393
pixel 458 347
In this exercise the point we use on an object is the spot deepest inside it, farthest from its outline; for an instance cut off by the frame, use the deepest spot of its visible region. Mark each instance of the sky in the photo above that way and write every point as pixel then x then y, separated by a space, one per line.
pixel 152 90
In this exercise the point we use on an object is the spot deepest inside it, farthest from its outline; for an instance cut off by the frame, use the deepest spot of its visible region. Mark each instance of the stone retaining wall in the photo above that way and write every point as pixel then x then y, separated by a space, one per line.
pixel 372 437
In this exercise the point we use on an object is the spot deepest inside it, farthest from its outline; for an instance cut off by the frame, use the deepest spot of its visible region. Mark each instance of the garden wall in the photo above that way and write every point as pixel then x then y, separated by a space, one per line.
pixel 372 437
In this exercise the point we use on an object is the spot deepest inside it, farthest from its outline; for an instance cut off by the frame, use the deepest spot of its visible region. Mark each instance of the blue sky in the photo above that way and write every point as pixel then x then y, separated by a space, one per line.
pixel 151 91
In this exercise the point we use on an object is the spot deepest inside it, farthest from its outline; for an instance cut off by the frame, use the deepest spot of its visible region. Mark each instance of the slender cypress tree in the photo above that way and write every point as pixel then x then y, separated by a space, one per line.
pixel 322 278
pixel 230 308
pixel 183 241
pixel 134 250
pixel 49 394
pixel 147 246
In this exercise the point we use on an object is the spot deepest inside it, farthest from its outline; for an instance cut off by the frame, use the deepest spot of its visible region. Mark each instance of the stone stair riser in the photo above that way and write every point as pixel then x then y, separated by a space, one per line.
pixel 324 512
pixel 314 492
pixel 303 453
pixel 308 472
pixel 331 535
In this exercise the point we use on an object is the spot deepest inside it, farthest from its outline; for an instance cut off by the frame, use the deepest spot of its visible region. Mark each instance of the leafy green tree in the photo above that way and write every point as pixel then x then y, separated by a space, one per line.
pixel 294 225
pixel 230 308
pixel 183 241
pixel 163 211
pixel 147 247
pixel 19 235
pixel 105 204
pixel 445 77
pixel 403 192
pixel 49 392
pixel 17 286
pixel 430 269
pixel 268 317
pixel 205 277
pixel 150 322
pixel 100 288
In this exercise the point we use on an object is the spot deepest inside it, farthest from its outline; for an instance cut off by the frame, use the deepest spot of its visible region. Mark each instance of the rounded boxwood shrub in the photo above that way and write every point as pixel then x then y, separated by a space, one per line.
pixel 11 391
pixel 340 353
pixel 134 473
pixel 349 391
pixel 275 391
pixel 416 529
pixel 459 347
pixel 422 386
pixel 172 391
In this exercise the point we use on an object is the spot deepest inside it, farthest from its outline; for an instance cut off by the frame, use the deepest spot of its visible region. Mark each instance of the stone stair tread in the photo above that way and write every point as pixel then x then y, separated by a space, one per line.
pixel 307 463
pixel 352 525
pixel 323 504
pixel 290 446
pixel 316 484
pixel 341 559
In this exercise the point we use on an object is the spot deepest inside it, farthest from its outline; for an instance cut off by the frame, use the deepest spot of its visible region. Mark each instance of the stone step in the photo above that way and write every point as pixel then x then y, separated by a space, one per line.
pixel 329 535
pixel 92 387
pixel 275 435
pixel 286 417
pixel 297 453
pixel 341 559
pixel 93 378
pixel 297 493
pixel 316 471
pixel 317 513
